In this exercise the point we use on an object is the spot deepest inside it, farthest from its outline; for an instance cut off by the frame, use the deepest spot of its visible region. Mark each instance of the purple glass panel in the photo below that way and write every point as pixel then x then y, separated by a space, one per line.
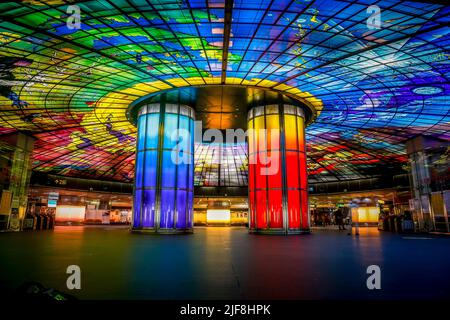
pixel 137 209
pixel 181 209
pixel 148 209
pixel 190 212
pixel 167 208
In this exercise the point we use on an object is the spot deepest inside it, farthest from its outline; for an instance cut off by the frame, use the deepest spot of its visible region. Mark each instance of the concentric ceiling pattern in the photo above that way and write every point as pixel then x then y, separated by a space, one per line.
pixel 375 86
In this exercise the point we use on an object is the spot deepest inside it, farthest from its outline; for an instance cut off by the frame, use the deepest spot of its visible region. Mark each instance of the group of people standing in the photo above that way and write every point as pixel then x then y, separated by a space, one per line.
pixel 341 217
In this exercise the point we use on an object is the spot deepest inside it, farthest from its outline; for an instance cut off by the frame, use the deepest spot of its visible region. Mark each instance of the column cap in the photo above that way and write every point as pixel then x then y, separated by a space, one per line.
pixel 170 108
pixel 274 109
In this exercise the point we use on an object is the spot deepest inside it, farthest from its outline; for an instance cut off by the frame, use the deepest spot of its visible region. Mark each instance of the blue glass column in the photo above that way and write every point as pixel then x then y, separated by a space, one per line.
pixel 164 170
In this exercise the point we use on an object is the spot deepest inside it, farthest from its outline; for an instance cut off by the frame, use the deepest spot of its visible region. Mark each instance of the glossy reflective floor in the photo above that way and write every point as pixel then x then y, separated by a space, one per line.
pixel 223 263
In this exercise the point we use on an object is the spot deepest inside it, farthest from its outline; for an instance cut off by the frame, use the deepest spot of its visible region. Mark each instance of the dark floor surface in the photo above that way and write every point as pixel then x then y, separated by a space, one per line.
pixel 227 263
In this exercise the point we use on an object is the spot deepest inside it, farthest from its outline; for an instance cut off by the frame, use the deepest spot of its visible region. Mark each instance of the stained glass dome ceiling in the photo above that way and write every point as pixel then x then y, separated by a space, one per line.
pixel 374 86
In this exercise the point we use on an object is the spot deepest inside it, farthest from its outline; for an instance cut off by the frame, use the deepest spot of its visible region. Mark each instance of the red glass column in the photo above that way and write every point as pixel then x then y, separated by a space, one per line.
pixel 278 195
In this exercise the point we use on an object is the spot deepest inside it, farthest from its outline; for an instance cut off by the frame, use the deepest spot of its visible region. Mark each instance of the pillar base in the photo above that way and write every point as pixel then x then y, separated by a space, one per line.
pixel 163 231
pixel 281 232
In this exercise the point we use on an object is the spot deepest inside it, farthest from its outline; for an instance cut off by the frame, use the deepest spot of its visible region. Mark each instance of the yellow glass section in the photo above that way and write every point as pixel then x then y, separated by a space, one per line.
pixel 251 140
pixel 301 133
pixel 273 132
pixel 290 131
pixel 260 137
pixel 273 122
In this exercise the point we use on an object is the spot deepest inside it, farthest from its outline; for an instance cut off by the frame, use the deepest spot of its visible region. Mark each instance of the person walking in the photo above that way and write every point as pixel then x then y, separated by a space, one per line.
pixel 339 217
pixel 354 222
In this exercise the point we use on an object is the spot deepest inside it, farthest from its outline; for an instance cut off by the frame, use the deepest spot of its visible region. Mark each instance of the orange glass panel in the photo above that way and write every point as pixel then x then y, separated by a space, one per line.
pixel 303 171
pixel 274 171
pixel 292 167
pixel 252 208
pixel 304 206
pixel 294 208
pixel 261 209
pixel 275 209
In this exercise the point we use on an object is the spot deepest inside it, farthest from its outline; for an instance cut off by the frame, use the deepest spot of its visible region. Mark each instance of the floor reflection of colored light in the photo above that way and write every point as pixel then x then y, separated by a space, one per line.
pixel 371 232
pixel 67 229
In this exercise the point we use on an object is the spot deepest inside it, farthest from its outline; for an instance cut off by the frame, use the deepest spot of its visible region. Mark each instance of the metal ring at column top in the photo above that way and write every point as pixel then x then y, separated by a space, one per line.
pixel 170 108
pixel 257 111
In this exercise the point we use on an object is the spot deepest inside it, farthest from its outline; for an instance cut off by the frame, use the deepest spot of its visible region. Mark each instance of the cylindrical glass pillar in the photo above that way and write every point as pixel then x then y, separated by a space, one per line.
pixel 278 195
pixel 164 174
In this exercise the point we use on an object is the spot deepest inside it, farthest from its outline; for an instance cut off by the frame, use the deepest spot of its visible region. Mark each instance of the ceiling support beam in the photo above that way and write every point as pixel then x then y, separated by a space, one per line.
pixel 226 38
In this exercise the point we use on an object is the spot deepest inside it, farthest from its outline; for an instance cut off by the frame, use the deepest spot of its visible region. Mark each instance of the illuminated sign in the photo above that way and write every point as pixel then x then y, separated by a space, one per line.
pixel 52 203
pixel 61 182
pixel 69 214
pixel 365 214
pixel 218 216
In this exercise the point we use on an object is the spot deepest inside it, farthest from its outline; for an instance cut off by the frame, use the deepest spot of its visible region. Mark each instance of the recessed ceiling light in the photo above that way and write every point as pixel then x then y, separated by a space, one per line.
pixel 427 90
